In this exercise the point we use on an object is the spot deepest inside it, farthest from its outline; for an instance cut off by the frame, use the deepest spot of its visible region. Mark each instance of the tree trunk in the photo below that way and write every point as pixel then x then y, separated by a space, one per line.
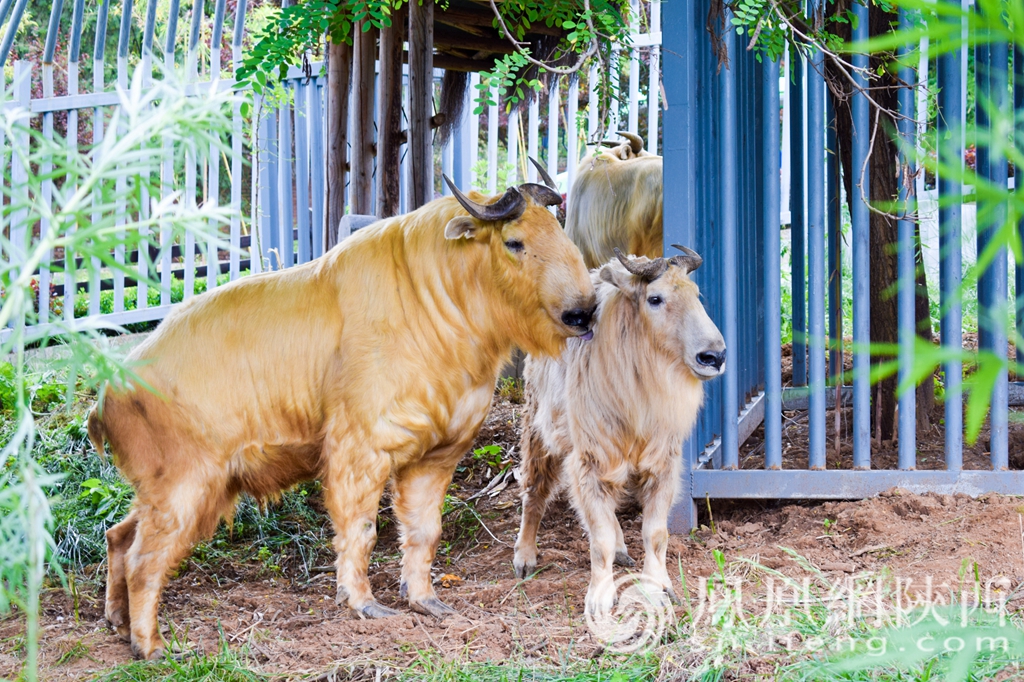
pixel 923 315
pixel 883 236
pixel 389 117
pixel 361 182
pixel 421 103
pixel 339 57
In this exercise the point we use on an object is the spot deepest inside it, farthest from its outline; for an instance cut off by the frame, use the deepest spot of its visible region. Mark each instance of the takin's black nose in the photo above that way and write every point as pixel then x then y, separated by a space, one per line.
pixel 578 317
pixel 711 359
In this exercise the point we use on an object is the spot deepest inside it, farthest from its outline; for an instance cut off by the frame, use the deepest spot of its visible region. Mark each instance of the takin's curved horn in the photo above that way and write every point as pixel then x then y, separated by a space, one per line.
pixel 509 207
pixel 548 180
pixel 689 261
pixel 541 194
pixel 635 141
pixel 649 271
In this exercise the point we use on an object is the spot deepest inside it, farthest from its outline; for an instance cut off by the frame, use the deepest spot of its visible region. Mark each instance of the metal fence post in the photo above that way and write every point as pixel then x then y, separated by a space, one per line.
pixel 994 313
pixel 906 266
pixel 816 258
pixel 950 123
pixel 680 63
pixel 797 220
pixel 772 270
pixel 1018 180
pixel 861 219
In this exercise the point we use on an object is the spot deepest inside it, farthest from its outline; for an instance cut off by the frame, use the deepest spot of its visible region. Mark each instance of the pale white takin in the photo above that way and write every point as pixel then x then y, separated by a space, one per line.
pixel 610 415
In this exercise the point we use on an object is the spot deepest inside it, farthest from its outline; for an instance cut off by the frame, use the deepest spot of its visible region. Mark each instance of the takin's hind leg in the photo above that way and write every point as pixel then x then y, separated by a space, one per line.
pixel 119 539
pixel 164 536
pixel 622 557
pixel 541 472
pixel 419 491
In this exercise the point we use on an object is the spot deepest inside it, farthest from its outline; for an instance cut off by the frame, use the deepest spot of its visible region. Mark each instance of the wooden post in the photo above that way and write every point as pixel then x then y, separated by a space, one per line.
pixel 339 76
pixel 389 118
pixel 364 57
pixel 421 101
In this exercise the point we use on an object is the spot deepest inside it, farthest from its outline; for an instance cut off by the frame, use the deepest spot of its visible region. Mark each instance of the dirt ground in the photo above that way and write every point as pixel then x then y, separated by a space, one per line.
pixel 290 623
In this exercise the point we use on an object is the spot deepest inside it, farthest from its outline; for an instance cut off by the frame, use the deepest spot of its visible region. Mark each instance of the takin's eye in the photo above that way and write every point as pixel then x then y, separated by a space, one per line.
pixel 655 300
pixel 514 245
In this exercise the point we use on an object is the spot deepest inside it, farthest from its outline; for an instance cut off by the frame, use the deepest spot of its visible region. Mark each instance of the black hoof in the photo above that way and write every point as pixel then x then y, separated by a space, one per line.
pixel 525 571
pixel 433 607
pixel 623 559
pixel 375 610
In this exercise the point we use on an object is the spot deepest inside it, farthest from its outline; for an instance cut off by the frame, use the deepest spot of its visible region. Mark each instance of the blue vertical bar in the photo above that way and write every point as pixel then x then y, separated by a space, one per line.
pixel 52 30
pixel 5 7
pixel 239 27
pixel 797 223
pixel 679 26
pixel 861 220
pixel 126 28
pixel 995 313
pixel 951 149
pixel 100 41
pixel 218 23
pixel 150 28
pixel 905 256
pixel 76 31
pixel 727 183
pixel 772 271
pixel 982 95
pixel 12 30
pixel 197 24
pixel 835 261
pixel 1018 180
pixel 816 258
pixel 172 27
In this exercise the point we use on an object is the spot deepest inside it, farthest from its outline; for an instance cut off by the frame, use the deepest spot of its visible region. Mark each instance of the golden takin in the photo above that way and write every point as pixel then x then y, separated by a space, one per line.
pixel 374 363
pixel 616 202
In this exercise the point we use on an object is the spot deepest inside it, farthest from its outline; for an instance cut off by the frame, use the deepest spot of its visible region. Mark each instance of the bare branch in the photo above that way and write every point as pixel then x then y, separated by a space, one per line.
pixel 521 47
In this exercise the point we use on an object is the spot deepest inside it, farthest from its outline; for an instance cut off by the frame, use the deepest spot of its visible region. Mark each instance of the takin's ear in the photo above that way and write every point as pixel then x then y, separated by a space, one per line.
pixel 620 279
pixel 460 227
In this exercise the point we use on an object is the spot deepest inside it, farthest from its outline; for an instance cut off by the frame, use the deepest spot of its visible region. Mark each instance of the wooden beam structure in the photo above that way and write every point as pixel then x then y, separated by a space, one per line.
pixel 339 66
pixel 363 147
pixel 421 102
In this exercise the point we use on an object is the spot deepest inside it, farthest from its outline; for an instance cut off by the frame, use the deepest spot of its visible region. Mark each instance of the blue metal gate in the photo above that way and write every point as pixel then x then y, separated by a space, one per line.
pixel 722 151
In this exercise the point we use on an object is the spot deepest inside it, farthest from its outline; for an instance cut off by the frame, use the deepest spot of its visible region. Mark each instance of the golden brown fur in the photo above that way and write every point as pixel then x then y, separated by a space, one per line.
pixel 376 362
pixel 610 416
pixel 616 201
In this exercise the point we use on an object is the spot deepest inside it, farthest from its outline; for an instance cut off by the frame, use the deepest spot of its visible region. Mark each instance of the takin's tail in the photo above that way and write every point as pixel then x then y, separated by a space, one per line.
pixel 97 434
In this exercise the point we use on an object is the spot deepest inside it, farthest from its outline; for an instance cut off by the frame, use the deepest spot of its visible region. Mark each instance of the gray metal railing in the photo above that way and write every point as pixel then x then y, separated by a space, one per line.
pixel 708 127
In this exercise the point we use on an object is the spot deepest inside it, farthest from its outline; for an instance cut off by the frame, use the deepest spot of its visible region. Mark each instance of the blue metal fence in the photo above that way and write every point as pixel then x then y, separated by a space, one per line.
pixel 722 142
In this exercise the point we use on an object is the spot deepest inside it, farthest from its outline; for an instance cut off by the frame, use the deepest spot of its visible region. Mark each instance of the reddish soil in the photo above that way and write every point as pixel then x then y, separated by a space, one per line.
pixel 290 623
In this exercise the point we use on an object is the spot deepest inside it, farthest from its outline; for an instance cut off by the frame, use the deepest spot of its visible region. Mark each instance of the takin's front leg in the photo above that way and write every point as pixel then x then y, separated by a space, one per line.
pixel 353 484
pixel 596 504
pixel 657 493
pixel 540 473
pixel 419 491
